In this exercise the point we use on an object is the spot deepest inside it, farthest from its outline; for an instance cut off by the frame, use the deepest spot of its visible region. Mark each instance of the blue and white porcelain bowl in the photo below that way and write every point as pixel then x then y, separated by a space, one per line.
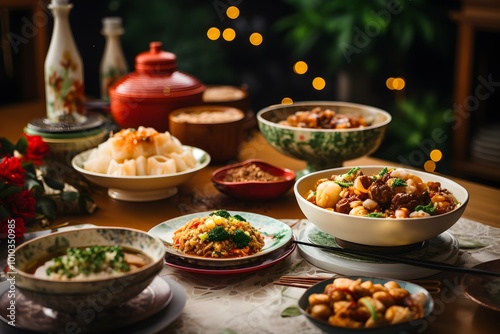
pixel 73 296
pixel 323 148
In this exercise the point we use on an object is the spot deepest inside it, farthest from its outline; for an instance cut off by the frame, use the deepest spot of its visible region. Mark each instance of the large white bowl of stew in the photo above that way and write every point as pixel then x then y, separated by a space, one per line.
pixel 367 206
pixel 88 268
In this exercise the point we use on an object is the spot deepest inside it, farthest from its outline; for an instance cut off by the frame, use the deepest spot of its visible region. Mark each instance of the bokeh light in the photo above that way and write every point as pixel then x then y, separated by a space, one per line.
pixel 430 166
pixel 398 83
pixel 232 12
pixel 286 100
pixel 436 155
pixel 213 33
pixel 229 34
pixel 300 67
pixel 319 83
pixel 256 39
pixel 395 83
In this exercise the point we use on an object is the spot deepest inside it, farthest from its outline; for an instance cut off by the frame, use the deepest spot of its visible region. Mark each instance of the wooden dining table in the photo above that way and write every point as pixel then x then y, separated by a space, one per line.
pixel 250 302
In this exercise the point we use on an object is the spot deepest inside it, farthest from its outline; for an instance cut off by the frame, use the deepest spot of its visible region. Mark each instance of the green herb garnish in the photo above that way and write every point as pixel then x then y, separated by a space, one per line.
pixel 344 184
pixel 399 182
pixel 375 215
pixel 353 170
pixel 383 171
pixel 429 208
pixel 89 260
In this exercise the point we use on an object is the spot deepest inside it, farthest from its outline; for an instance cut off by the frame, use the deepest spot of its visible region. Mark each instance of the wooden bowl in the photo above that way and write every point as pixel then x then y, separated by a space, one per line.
pixel 224 95
pixel 219 130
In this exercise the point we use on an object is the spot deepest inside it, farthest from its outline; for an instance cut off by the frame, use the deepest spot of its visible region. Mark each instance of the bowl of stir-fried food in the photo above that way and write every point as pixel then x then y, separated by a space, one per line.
pixel 380 205
pixel 87 269
pixel 366 305
pixel 324 134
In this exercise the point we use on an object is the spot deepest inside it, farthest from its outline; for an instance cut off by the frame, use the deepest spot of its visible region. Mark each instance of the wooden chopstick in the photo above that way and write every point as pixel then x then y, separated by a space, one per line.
pixel 433 286
pixel 397 259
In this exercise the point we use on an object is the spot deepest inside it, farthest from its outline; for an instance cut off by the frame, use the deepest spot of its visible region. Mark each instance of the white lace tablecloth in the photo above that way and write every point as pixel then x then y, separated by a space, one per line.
pixel 251 303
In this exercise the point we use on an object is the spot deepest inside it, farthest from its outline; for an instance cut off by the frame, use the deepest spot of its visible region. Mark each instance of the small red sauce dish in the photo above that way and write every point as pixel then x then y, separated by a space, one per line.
pixel 253 179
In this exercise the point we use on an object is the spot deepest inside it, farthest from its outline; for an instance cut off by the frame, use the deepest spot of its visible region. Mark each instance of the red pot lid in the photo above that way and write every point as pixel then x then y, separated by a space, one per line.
pixel 156 76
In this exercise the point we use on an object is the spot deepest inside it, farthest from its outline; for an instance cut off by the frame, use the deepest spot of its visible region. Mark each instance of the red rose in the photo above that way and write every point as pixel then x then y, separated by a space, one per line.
pixel 12 172
pixel 22 204
pixel 37 149
pixel 11 225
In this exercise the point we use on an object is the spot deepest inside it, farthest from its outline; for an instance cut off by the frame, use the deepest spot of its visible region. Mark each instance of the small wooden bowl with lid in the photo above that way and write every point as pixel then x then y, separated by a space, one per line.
pixel 219 130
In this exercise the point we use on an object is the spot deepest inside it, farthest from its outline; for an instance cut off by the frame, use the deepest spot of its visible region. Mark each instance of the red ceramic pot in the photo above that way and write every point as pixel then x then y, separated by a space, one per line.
pixel 147 96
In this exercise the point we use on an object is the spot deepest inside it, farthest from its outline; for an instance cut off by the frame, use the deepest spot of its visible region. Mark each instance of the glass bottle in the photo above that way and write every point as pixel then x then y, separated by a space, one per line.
pixel 113 64
pixel 64 84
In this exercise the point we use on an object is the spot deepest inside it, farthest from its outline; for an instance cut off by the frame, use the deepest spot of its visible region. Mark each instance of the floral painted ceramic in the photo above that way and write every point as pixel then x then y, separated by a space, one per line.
pixel 78 295
pixel 323 148
pixel 64 82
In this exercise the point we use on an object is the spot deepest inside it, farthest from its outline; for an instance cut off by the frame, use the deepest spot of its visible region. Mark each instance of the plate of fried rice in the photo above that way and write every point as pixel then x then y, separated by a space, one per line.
pixel 222 238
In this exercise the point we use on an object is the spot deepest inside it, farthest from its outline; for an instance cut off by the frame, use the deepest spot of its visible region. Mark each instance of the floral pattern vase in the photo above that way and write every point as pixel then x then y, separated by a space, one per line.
pixel 64 83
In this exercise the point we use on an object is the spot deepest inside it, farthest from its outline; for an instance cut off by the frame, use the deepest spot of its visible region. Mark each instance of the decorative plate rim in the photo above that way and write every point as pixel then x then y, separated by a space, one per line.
pixel 256 220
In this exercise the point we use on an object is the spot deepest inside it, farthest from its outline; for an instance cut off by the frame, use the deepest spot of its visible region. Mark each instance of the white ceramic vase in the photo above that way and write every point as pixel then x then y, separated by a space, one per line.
pixel 64 82
pixel 113 64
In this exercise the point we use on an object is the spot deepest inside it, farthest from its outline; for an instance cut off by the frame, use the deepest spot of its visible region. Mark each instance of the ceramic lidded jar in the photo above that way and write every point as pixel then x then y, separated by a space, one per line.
pixel 147 96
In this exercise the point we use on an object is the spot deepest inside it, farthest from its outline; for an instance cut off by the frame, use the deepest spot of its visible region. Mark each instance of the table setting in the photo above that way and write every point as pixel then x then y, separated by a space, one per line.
pixel 245 294
pixel 184 215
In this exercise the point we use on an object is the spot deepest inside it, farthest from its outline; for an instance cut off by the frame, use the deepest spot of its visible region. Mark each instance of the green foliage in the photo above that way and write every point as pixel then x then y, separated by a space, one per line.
pixel 342 31
pixel 181 26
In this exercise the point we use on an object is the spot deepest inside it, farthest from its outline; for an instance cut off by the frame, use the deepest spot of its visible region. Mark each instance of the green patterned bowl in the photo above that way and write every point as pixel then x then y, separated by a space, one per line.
pixel 323 148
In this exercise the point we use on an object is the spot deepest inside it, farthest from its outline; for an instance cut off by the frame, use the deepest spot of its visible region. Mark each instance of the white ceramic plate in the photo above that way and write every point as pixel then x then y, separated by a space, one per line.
pixel 443 248
pixel 141 188
pixel 276 235
pixel 158 321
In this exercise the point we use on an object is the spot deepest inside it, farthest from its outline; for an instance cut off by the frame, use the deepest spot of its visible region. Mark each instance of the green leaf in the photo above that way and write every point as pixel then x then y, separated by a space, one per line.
pixel 35 186
pixel 470 243
pixel 291 311
pixel 54 184
pixel 4 213
pixel 6 147
pixel 22 145
pixel 69 195
pixel 9 191
pixel 47 206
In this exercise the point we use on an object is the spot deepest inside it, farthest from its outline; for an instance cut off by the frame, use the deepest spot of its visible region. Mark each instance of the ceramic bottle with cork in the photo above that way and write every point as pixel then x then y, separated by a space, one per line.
pixel 113 63
pixel 64 82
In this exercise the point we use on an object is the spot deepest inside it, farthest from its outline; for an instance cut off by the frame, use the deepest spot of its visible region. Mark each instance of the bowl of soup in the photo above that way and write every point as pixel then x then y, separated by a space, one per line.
pixel 89 268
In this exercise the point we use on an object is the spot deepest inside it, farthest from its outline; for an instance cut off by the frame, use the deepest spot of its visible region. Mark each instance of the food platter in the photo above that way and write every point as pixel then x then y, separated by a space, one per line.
pixel 276 235
pixel 141 188
pixel 263 262
pixel 156 308
pixel 484 290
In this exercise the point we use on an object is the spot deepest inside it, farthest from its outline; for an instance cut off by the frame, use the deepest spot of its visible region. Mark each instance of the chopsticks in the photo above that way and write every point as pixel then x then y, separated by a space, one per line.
pixel 397 259
pixel 433 286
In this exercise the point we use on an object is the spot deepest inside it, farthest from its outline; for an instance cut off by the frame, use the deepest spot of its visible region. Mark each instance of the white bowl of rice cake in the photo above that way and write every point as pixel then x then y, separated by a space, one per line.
pixel 141 164
pixel 87 268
